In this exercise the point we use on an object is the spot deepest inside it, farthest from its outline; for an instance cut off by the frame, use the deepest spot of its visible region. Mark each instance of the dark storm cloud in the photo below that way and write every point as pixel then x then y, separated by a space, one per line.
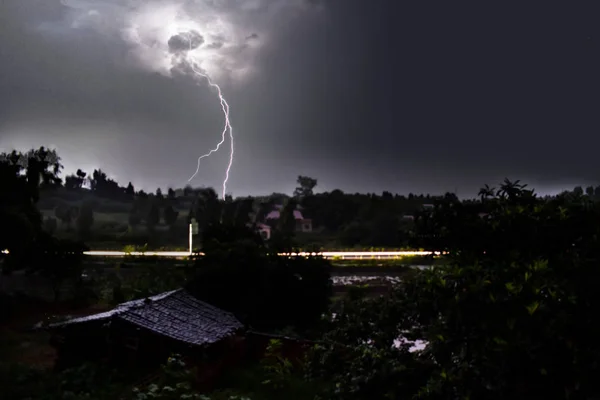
pixel 441 97
pixel 364 96
pixel 185 41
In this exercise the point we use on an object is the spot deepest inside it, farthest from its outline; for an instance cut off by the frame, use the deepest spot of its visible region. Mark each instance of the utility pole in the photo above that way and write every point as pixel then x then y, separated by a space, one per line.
pixel 193 231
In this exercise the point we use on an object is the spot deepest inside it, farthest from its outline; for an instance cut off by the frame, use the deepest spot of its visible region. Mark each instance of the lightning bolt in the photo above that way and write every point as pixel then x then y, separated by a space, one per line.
pixel 226 128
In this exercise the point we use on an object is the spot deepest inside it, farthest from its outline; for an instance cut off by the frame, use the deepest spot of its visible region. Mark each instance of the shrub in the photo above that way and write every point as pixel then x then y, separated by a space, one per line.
pixel 264 290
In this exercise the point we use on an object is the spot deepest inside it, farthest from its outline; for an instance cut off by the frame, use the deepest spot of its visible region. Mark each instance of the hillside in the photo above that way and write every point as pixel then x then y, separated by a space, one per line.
pixel 111 228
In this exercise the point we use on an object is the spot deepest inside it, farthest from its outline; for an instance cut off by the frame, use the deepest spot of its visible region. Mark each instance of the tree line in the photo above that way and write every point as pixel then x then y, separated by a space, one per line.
pixel 339 220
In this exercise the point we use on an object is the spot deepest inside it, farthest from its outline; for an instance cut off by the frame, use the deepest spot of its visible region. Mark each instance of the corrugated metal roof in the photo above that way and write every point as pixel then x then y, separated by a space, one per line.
pixel 175 314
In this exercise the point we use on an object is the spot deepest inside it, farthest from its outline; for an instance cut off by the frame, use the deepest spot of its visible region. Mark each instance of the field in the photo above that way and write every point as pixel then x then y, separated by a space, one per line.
pixel 111 230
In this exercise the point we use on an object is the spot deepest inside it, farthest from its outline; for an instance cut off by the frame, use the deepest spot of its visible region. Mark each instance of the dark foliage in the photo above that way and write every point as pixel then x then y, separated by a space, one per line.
pixel 513 315
pixel 170 215
pixel 266 291
pixel 20 178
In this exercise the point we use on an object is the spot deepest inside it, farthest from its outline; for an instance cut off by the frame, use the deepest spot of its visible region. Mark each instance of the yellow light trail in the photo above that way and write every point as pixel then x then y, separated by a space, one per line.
pixel 325 254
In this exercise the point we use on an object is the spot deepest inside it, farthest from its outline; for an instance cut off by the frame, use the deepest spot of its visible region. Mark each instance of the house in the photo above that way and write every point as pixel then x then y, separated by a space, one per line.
pixel 146 332
pixel 302 224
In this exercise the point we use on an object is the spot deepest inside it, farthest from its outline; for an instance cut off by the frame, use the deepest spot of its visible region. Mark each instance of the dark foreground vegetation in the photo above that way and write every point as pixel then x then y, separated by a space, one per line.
pixel 512 313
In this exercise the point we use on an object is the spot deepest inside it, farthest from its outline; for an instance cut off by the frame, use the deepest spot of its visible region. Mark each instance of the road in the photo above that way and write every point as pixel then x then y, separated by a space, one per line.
pixel 334 255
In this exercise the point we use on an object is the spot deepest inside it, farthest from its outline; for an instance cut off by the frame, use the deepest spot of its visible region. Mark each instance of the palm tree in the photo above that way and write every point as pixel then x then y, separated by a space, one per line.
pixel 511 190
pixel 486 192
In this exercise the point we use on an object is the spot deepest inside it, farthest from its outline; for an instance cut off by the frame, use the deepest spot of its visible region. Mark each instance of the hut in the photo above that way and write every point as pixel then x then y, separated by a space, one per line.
pixel 144 333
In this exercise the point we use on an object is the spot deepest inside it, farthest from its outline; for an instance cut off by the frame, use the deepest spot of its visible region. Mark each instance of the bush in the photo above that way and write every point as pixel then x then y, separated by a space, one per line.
pixel 265 290
pixel 512 315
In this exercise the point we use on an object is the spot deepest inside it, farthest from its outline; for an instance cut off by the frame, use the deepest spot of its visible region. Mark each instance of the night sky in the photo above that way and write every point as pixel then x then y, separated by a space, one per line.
pixel 364 95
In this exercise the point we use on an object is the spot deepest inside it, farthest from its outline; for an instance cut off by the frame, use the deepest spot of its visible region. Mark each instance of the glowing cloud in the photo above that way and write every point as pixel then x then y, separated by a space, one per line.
pixel 228 35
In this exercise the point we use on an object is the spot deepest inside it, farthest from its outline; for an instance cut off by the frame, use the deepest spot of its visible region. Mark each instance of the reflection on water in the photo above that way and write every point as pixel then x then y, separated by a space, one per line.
pixel 417 345
pixel 380 276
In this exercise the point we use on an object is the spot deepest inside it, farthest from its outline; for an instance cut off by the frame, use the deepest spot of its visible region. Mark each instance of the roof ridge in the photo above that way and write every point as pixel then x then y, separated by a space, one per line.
pixel 136 303
pixel 119 309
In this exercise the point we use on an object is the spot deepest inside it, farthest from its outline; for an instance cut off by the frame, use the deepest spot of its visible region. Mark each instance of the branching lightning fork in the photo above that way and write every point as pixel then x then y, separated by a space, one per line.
pixel 226 128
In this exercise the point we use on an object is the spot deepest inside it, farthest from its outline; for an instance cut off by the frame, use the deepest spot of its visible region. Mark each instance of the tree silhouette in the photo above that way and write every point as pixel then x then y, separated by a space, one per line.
pixel 20 219
pixel 306 186
pixel 287 219
pixel 75 181
pixel 98 181
pixel 589 191
pixel 130 190
pixel 513 190
pixel 207 208
pixel 21 177
pixel 171 194
pixel 486 192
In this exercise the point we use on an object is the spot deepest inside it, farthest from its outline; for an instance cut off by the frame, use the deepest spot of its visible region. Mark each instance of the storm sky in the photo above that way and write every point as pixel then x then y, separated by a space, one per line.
pixel 364 95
